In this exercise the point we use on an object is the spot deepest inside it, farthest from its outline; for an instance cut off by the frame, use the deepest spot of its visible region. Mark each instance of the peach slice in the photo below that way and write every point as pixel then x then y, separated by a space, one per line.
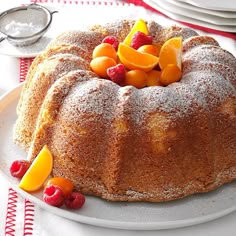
pixel 135 60
pixel 140 25
pixel 171 53
pixel 38 172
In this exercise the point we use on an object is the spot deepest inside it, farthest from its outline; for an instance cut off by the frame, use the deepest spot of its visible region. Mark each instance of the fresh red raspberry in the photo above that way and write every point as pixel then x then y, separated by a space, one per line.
pixel 117 73
pixel 53 196
pixel 19 167
pixel 139 39
pixel 111 40
pixel 75 200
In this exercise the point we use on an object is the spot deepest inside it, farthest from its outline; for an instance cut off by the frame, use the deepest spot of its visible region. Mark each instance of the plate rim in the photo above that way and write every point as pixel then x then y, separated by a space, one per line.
pixel 5 49
pixel 187 6
pixel 210 7
pixel 14 94
pixel 189 20
pixel 211 19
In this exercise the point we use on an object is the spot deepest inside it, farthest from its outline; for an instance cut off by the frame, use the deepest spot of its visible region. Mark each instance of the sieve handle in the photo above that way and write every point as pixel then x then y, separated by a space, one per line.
pixel 2 37
pixel 52 12
pixel 34 4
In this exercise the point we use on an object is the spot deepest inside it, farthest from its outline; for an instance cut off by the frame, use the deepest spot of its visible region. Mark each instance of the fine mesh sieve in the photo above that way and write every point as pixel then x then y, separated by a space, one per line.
pixel 25 25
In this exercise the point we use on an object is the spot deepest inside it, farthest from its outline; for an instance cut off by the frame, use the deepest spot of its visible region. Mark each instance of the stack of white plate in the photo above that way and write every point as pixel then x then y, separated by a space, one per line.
pixel 214 14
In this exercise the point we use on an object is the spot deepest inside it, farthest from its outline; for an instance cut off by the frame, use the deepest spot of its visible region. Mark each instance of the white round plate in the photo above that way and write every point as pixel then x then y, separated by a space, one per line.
pixel 183 18
pixel 220 5
pixel 121 215
pixel 187 7
pixel 196 15
pixel 29 51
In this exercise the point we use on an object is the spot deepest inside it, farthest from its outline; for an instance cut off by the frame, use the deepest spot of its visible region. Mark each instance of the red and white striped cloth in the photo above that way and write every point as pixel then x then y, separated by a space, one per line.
pixel 19 213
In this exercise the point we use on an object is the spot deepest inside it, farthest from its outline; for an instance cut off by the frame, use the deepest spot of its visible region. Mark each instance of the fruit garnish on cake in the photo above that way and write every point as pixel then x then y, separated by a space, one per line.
pixel 140 25
pixel 137 60
pixel 38 171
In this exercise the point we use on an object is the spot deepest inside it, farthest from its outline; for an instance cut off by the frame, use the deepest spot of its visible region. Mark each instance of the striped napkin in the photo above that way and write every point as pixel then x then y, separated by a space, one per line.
pixel 19 213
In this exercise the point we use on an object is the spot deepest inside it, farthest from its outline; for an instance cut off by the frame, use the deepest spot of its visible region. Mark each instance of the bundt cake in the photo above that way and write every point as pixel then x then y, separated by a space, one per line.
pixel 121 143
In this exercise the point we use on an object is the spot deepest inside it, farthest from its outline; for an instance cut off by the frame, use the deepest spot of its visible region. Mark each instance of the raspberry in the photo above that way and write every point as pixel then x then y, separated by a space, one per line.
pixel 53 196
pixel 19 167
pixel 139 39
pixel 117 73
pixel 75 200
pixel 111 40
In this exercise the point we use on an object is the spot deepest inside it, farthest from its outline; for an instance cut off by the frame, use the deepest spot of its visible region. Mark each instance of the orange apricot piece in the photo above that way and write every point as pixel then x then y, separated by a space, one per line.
pixel 104 49
pixel 170 74
pixel 64 184
pixel 100 65
pixel 153 78
pixel 137 78
pixel 150 49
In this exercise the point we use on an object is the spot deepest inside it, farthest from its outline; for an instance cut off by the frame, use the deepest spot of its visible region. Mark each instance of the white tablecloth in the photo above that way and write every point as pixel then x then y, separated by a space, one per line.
pixel 43 223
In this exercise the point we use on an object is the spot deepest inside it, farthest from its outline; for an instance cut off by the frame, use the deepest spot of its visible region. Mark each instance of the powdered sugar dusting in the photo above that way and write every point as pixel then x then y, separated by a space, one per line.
pixel 94 96
pixel 177 99
pixel 202 61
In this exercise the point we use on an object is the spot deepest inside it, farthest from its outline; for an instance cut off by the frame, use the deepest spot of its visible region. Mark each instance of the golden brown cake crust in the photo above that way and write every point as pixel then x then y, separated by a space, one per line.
pixel 126 144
